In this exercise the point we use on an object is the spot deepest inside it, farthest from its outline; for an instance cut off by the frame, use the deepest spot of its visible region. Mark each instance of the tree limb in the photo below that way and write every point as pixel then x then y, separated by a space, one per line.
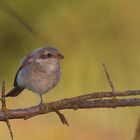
pixel 80 102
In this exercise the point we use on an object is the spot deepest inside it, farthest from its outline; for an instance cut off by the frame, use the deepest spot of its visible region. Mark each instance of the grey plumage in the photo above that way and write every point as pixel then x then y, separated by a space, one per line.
pixel 39 72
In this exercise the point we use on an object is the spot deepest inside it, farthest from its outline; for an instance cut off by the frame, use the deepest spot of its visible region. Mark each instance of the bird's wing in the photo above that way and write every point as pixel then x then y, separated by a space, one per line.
pixel 17 90
pixel 26 60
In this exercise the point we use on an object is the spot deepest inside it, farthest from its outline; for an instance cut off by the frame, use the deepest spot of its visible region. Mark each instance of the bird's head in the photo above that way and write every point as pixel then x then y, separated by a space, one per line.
pixel 47 54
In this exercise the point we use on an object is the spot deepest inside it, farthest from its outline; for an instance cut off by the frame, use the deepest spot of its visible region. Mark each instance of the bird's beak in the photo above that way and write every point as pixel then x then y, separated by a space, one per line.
pixel 60 56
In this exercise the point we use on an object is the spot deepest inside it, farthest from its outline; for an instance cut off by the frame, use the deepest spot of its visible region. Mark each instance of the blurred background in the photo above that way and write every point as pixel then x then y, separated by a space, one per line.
pixel 87 33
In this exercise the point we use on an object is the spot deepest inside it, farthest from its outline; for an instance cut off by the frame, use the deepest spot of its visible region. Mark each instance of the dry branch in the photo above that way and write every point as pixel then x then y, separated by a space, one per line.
pixel 80 102
pixel 4 110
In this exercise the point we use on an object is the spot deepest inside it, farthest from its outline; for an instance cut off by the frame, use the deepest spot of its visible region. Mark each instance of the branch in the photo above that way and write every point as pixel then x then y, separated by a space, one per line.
pixel 80 102
pixel 4 110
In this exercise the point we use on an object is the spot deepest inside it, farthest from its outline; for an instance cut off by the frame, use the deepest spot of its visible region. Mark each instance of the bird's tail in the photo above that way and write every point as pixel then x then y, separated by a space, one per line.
pixel 14 92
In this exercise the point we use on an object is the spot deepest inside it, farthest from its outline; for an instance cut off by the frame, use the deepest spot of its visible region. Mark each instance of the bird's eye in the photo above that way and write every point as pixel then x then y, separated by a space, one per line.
pixel 44 56
pixel 49 55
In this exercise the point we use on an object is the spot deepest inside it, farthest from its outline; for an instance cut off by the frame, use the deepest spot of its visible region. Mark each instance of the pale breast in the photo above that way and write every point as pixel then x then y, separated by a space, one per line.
pixel 39 78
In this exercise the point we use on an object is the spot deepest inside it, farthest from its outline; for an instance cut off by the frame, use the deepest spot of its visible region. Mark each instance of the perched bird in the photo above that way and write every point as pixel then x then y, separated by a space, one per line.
pixel 39 72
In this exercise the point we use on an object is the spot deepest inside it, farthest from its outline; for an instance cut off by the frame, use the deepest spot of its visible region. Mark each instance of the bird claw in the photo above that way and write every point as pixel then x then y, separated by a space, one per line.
pixel 42 107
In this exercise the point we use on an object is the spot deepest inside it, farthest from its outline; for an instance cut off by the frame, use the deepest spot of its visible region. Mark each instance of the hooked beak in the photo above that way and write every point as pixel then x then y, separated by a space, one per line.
pixel 60 56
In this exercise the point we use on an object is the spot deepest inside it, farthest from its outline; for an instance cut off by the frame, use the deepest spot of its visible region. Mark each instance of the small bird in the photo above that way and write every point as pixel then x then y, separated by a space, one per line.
pixel 39 72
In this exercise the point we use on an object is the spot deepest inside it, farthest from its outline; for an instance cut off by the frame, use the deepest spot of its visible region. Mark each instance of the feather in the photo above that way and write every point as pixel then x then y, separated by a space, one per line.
pixel 14 92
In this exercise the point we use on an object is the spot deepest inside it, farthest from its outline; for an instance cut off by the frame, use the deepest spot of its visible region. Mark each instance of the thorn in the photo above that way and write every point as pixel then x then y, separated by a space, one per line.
pixel 109 81
pixel 62 117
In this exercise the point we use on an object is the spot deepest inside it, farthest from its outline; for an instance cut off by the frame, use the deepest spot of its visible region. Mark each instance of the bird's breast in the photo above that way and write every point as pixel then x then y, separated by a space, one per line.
pixel 39 78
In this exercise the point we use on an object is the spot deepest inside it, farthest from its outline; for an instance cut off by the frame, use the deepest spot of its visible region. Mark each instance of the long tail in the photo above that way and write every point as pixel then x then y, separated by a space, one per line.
pixel 14 92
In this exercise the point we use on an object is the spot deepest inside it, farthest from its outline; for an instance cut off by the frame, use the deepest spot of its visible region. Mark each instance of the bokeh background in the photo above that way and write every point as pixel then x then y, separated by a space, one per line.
pixel 88 32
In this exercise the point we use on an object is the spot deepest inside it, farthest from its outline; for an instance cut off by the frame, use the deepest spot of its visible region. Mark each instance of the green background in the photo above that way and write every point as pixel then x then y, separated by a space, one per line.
pixel 88 33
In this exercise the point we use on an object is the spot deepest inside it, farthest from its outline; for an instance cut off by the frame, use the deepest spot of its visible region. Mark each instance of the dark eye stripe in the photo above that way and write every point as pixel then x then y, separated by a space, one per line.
pixel 43 56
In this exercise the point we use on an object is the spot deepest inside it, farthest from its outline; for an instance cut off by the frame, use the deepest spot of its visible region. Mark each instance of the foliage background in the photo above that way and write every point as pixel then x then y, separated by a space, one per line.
pixel 88 33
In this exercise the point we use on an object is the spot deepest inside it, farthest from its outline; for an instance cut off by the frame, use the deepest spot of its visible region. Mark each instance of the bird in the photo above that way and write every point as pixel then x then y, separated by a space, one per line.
pixel 38 72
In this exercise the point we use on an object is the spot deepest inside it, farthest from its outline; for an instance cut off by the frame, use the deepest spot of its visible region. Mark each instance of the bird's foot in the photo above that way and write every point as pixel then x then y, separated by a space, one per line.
pixel 42 107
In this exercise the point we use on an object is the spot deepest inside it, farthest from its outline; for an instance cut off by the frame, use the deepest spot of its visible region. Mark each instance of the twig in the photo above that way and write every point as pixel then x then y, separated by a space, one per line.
pixel 10 129
pixel 5 110
pixel 62 117
pixel 109 80
pixel 2 96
